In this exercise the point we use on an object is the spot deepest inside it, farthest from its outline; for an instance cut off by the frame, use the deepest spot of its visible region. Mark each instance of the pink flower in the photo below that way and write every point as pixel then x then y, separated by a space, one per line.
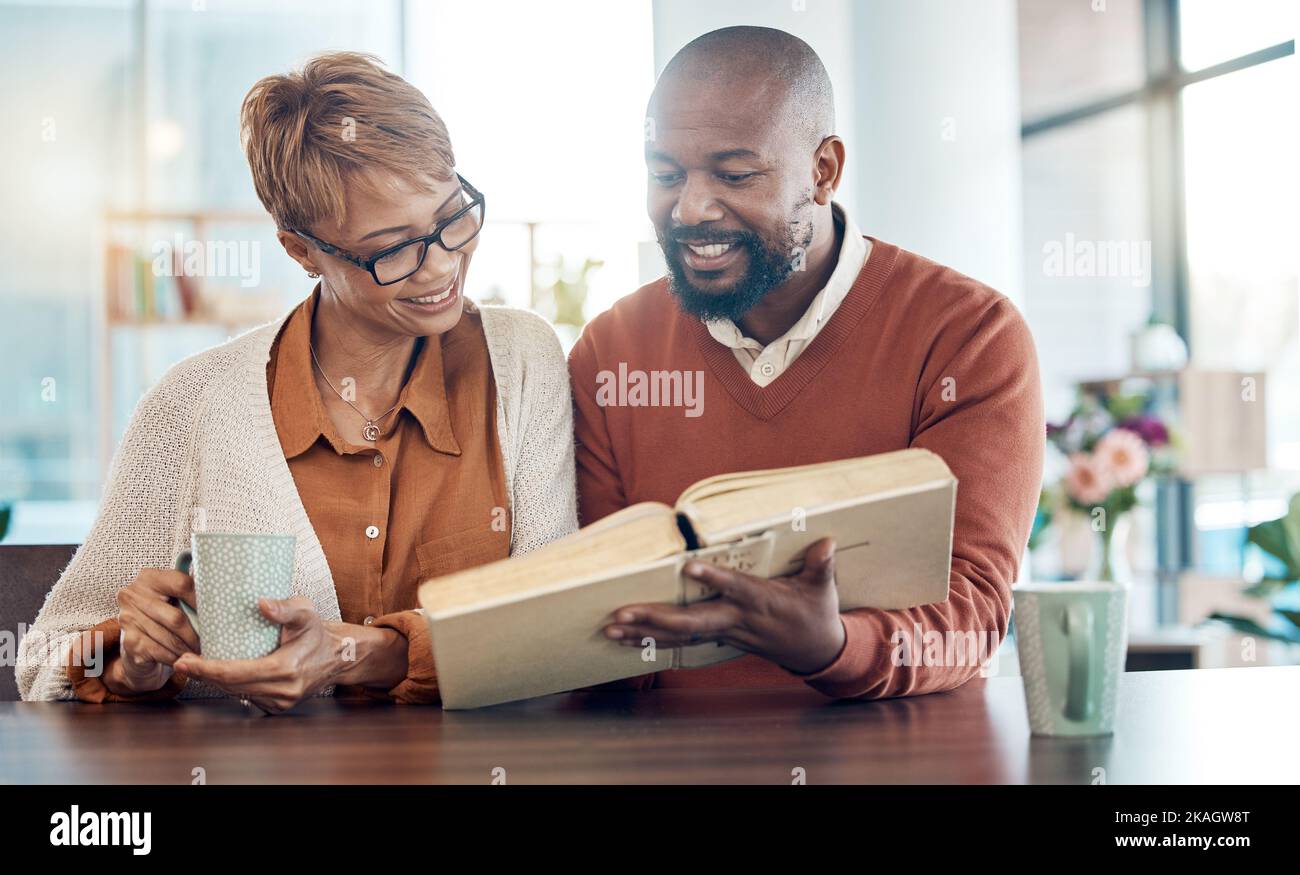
pixel 1123 454
pixel 1087 481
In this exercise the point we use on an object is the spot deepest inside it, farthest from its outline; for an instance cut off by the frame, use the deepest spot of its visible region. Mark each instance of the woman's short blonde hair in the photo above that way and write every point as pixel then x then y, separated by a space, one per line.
pixel 342 117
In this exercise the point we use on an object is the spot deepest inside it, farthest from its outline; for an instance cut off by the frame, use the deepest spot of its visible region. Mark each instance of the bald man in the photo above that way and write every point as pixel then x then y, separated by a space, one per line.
pixel 802 341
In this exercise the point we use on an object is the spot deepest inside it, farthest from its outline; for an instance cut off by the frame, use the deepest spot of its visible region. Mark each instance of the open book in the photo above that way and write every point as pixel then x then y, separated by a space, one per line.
pixel 532 624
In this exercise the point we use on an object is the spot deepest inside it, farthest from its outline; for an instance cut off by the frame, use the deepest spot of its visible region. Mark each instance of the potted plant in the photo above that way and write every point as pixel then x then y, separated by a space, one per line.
pixel 1109 445
pixel 1280 585
pixel 563 301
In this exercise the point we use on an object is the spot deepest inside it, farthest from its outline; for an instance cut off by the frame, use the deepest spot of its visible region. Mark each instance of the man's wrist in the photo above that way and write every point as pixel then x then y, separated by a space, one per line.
pixel 835 647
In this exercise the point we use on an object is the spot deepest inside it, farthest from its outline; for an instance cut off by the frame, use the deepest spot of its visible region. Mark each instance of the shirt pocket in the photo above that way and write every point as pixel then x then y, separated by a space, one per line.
pixel 461 550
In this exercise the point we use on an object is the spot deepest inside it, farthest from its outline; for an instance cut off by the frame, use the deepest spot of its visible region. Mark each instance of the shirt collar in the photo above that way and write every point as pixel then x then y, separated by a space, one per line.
pixel 853 253
pixel 299 413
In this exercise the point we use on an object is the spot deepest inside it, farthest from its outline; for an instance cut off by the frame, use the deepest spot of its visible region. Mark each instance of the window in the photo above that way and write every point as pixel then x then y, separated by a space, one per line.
pixel 1172 124
pixel 1071 55
pixel 1084 183
pixel 549 123
pixel 1243 232
pixel 69 94
pixel 127 134
pixel 1212 31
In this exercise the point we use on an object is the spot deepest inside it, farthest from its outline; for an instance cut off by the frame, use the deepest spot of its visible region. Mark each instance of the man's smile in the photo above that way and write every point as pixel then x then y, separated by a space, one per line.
pixel 710 257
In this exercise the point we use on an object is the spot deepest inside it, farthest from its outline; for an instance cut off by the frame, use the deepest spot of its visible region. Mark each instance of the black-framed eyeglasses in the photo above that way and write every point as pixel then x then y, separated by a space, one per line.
pixel 399 261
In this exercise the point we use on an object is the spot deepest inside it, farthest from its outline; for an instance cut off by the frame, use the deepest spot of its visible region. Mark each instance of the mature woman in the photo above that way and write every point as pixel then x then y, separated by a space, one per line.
pixel 396 429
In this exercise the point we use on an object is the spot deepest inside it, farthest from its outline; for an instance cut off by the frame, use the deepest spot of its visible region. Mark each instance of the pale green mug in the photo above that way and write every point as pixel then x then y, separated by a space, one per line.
pixel 231 572
pixel 1072 639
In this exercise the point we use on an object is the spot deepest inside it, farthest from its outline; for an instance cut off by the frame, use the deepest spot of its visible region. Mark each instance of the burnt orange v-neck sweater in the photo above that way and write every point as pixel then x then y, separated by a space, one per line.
pixel 917 355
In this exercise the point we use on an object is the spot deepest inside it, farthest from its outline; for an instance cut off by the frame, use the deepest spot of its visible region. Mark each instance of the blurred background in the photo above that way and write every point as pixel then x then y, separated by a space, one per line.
pixel 1124 170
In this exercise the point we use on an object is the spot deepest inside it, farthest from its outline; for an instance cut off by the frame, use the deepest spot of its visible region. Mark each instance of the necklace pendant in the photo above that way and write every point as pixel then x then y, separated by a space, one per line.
pixel 370 431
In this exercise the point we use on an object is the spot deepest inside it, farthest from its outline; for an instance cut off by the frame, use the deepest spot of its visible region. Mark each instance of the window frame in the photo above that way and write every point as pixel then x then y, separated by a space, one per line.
pixel 1161 95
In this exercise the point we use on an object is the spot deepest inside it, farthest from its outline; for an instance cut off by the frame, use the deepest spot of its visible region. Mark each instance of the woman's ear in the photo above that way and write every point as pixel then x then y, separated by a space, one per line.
pixel 298 250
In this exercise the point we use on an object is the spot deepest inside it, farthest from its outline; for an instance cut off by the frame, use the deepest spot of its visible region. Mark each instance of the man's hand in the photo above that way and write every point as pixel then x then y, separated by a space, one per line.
pixel 310 657
pixel 792 621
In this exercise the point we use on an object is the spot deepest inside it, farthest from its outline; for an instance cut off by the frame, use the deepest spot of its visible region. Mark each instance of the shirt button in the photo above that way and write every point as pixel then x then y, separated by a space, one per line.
pixel 372 532
pixel 767 369
pixel 379 460
pixel 367 621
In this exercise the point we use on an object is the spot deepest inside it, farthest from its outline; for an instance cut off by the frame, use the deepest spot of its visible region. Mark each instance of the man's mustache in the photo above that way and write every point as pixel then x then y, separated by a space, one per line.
pixel 701 236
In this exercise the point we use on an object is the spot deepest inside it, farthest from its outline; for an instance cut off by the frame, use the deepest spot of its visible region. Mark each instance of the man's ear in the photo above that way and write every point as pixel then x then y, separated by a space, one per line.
pixel 298 250
pixel 828 169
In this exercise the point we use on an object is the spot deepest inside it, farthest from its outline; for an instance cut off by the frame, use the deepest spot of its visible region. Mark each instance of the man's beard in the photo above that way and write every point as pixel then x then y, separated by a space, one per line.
pixel 769 265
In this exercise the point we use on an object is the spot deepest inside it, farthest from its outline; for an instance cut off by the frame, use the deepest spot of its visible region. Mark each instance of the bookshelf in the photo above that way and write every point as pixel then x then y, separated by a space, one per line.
pixel 165 270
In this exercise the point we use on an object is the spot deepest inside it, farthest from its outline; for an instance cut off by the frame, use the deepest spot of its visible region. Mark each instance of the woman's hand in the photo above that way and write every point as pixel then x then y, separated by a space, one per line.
pixel 155 632
pixel 312 655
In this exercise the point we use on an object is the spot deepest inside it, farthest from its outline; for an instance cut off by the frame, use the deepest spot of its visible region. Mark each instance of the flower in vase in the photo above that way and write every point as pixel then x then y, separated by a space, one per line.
pixel 1087 481
pixel 1149 428
pixel 1123 455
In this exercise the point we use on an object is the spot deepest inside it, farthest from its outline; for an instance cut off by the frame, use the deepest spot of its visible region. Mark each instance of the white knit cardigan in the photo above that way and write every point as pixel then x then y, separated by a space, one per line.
pixel 201 452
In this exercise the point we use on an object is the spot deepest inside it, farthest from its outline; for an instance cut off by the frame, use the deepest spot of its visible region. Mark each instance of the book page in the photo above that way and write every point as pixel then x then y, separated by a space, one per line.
pixel 726 507
pixel 631 537
pixel 723 483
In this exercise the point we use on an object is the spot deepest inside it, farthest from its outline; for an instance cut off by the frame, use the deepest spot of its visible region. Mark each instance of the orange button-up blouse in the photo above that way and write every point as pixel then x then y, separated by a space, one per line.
pixel 427 498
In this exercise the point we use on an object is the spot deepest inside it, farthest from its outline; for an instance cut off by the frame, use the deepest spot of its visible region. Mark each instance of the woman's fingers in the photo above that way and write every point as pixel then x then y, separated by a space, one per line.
pixel 147 615
pixel 142 658
pixel 266 675
pixel 167 583
pixel 134 616
pixel 263 691
pixel 168 617
pixel 272 705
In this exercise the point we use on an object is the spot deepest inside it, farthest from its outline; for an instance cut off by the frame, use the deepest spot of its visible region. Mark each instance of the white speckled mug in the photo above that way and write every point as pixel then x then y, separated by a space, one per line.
pixel 231 572
pixel 1072 640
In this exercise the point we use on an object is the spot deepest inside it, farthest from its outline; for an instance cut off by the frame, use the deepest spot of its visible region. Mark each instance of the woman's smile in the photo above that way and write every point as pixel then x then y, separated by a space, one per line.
pixel 438 300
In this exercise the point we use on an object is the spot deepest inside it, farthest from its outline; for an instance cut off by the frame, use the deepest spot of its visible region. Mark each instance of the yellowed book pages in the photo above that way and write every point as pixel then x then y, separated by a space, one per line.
pixel 547 643
pixel 720 507
pixel 532 625
pixel 635 535
pixel 890 515
pixel 554 641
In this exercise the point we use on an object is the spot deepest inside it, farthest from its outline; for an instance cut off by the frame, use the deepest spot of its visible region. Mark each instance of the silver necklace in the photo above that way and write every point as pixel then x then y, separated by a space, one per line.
pixel 370 431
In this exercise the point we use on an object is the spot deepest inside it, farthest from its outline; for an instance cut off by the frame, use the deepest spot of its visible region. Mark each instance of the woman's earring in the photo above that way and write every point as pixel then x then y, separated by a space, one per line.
pixel 313 275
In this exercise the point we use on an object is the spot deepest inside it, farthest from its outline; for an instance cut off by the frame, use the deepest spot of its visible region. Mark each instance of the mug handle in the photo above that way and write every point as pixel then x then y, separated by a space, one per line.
pixel 182 563
pixel 1079 697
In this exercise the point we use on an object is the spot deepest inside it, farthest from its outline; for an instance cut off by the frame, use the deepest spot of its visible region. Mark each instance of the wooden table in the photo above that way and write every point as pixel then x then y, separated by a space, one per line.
pixel 1211 726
